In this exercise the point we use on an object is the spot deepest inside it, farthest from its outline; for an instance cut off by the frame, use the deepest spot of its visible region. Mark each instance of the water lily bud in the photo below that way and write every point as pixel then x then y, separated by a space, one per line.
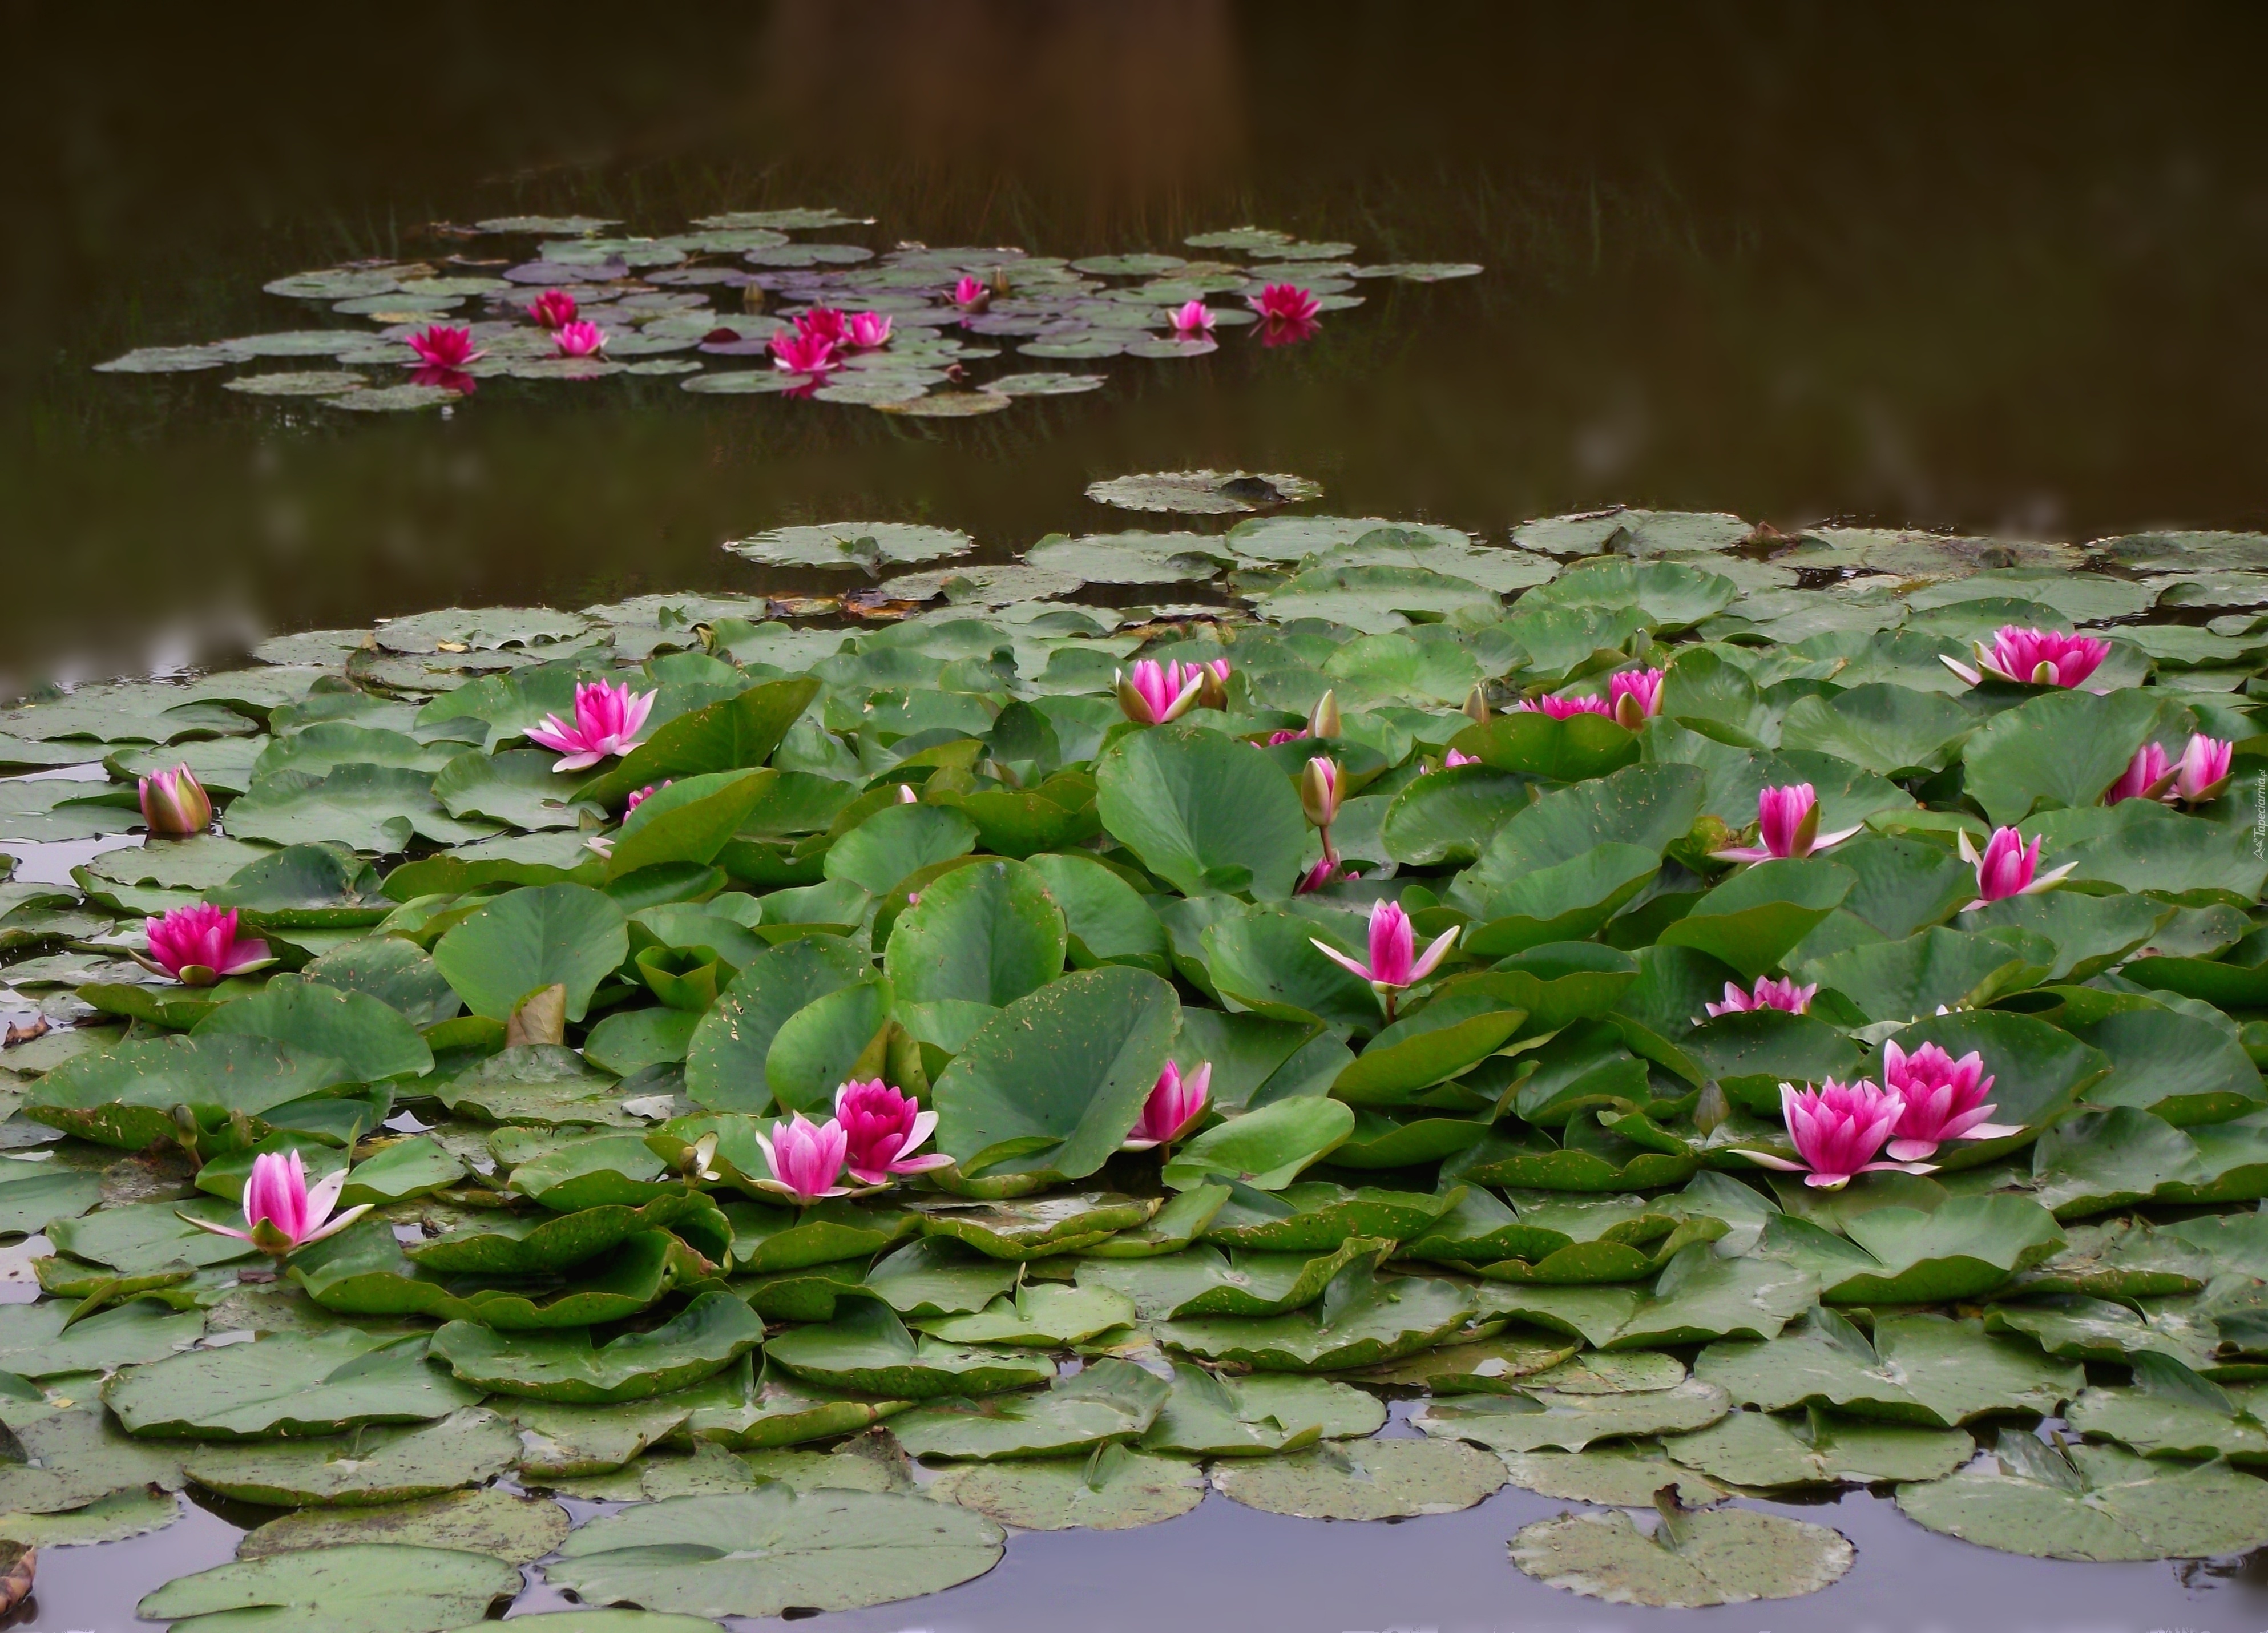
pixel 1319 792
pixel 1477 706
pixel 174 802
pixel 1324 721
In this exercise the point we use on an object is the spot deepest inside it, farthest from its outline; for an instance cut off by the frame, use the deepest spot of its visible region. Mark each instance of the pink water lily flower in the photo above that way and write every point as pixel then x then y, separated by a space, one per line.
pixel 1174 1105
pixel 2204 771
pixel 1455 758
pixel 579 339
pixel 868 329
pixel 1192 319
pixel 797 352
pixel 1155 693
pixel 1787 825
pixel 1287 735
pixel 1838 1128
pixel 1213 683
pixel 2148 775
pixel 282 1211
pixel 1943 1100
pixel 441 347
pixel 1564 708
pixel 1285 303
pixel 827 323
pixel 806 1159
pixel 1394 963
pixel 971 295
pixel 1633 696
pixel 554 309
pixel 880 1126
pixel 1330 871
pixel 1768 994
pixel 607 719
pixel 174 802
pixel 2009 867
pixel 2033 658
pixel 643 794
pixel 197 945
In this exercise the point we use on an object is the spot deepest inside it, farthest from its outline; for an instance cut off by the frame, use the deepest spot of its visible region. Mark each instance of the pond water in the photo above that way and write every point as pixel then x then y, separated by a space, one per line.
pixel 1952 270
pixel 1946 270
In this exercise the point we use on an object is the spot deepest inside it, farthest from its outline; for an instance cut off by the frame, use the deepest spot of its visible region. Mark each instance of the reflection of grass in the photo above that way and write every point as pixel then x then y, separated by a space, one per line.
pixel 1930 270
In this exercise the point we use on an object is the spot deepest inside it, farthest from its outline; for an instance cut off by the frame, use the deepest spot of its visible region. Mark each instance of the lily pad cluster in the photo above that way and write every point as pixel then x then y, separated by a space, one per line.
pixel 566 1035
pixel 937 333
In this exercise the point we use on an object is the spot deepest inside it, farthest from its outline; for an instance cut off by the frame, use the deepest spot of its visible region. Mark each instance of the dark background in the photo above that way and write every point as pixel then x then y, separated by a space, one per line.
pixel 2000 269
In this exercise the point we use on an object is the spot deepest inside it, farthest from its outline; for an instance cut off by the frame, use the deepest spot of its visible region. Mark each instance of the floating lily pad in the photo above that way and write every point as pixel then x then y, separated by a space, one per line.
pixel 112 1518
pixel 1719 1556
pixel 517 1530
pixel 360 1587
pixel 323 1383
pixel 704 1339
pixel 1619 1476
pixel 1203 493
pixel 1200 1280
pixel 1533 1419
pixel 1116 1490
pixel 1757 1450
pixel 866 1348
pixel 1361 1320
pixel 758 1553
pixel 35 1343
pixel 375 1465
pixel 1919 1369
pixel 1042 1313
pixel 2092 1502
pixel 1110 1401
pixel 1364 1480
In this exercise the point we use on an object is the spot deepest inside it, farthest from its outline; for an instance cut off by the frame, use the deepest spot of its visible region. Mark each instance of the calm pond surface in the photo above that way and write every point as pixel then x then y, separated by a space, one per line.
pixel 1998 272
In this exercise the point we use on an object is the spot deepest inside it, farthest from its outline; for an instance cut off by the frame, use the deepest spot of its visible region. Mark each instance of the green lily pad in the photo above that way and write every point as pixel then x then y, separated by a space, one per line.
pixel 359 1587
pixel 1202 1282
pixel 1315 1216
pixel 867 1347
pixel 125 1096
pixel 1201 810
pixel 771 1408
pixel 1696 1297
pixel 759 1553
pixel 2092 1502
pixel 1488 1366
pixel 519 1530
pixel 1757 1450
pixel 1920 1369
pixel 850 544
pixel 79 1457
pixel 1115 1490
pixel 939 1275
pixel 1258 1416
pixel 1110 1402
pixel 32 1196
pixel 531 939
pixel 376 1466
pixel 1533 1419
pixel 35 1343
pixel 2173 1412
pixel 1620 1475
pixel 326 1383
pixel 1719 1556
pixel 725 1060
pixel 1361 1320
pixel 1043 1313
pixel 1265 1150
pixel 704 1339
pixel 1057 1079
pixel 1364 1480
pixel 363 1272
pixel 1033 1228
pixel 561 1439
pixel 112 1518
pixel 2098 1160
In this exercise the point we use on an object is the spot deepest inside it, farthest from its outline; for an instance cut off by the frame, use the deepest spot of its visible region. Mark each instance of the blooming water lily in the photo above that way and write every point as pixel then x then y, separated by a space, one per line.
pixel 2033 658
pixel 1634 696
pixel 1192 318
pixel 554 309
pixel 1943 1100
pixel 1285 303
pixel 441 347
pixel 1767 994
pixel 2009 867
pixel 607 719
pixel 281 1211
pixel 880 1129
pixel 1787 825
pixel 796 352
pixel 579 339
pixel 805 1158
pixel 1394 963
pixel 867 330
pixel 1154 693
pixel 2203 772
pixel 1837 1128
pixel 197 945
pixel 1174 1105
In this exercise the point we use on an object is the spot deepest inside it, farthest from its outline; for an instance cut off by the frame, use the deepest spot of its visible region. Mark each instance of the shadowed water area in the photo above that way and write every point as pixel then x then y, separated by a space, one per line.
pixel 1994 274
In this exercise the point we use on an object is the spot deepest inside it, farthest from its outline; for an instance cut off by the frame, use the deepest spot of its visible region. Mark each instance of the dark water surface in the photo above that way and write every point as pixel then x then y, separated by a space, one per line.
pixel 2001 269
pixel 1998 268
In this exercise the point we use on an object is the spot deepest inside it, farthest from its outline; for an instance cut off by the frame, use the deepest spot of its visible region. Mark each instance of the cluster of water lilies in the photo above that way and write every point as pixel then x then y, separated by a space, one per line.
pixel 1925 1098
